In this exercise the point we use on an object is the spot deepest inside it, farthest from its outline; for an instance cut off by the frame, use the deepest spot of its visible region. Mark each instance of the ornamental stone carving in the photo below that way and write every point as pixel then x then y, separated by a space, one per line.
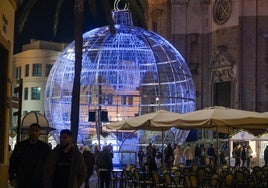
pixel 221 65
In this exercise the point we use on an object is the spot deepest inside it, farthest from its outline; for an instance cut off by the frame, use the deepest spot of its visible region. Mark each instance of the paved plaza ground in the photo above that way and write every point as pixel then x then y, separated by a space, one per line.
pixel 92 182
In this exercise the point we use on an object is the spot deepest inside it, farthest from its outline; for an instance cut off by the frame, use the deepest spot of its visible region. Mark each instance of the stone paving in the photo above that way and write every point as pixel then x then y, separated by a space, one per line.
pixel 92 182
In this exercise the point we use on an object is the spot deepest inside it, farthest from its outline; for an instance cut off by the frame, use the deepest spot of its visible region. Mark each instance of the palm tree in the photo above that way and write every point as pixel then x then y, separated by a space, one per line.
pixel 138 8
pixel 75 107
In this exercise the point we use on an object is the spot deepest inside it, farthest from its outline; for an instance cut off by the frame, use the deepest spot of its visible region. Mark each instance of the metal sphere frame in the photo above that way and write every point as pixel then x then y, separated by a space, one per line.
pixel 130 73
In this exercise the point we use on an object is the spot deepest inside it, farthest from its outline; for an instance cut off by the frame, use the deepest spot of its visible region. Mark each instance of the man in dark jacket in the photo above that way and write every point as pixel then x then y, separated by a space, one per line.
pixel 197 154
pixel 104 166
pixel 89 161
pixel 65 166
pixel 140 156
pixel 212 155
pixel 27 160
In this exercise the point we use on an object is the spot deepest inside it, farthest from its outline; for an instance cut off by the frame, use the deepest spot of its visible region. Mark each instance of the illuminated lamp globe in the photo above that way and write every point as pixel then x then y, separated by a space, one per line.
pixel 129 73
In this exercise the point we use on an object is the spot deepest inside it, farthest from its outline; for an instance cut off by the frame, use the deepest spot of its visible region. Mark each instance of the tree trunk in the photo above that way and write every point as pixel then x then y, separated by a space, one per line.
pixel 75 108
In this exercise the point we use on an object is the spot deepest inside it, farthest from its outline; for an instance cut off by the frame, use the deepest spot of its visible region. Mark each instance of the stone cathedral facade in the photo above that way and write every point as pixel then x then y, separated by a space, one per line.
pixel 224 42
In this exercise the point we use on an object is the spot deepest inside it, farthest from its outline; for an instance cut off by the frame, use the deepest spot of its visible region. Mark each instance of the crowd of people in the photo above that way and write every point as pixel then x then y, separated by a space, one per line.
pixel 34 164
pixel 242 155
pixel 198 154
pixel 188 155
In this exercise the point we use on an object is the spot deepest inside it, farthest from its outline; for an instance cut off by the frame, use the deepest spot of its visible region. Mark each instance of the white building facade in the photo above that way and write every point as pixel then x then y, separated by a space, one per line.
pixel 33 66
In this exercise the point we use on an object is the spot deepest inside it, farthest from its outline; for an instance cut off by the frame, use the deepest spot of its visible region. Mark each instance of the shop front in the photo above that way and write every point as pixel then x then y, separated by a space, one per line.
pixel 257 145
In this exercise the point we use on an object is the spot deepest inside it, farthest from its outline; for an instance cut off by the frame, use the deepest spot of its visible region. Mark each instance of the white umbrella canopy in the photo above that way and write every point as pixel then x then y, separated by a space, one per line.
pixel 35 117
pixel 256 129
pixel 216 118
pixel 161 120
pixel 222 120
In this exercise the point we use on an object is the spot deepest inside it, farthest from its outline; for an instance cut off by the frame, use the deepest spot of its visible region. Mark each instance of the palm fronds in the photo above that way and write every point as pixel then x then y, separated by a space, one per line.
pixel 93 7
pixel 57 14
pixel 137 9
pixel 24 16
pixel 107 8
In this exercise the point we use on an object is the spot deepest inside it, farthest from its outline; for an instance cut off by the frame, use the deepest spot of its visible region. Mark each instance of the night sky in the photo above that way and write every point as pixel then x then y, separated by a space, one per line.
pixel 39 24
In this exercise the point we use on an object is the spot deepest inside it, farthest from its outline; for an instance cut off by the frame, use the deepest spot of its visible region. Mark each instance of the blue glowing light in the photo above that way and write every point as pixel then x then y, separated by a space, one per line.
pixel 130 73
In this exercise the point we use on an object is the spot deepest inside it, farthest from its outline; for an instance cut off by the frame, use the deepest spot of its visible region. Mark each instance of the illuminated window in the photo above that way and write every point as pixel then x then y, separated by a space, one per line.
pixel 108 99
pixel 65 116
pixel 37 70
pixel 35 93
pixel 124 100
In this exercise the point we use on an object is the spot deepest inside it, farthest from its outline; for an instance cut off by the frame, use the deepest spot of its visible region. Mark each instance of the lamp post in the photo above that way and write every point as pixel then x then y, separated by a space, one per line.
pixel 100 114
pixel 98 119
pixel 94 115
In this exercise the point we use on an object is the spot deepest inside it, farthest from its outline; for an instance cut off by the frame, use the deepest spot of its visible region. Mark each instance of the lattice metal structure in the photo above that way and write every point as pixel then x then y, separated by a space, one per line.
pixel 130 73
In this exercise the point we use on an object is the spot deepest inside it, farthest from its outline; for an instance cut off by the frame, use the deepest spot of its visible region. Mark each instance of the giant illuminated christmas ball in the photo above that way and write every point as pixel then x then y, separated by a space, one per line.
pixel 129 73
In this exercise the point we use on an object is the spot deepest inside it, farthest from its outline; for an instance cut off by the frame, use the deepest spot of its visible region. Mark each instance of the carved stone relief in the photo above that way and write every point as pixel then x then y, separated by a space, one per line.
pixel 221 65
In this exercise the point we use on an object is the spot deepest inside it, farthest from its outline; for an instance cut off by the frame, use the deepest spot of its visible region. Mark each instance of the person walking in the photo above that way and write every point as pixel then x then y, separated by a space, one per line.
pixel 65 166
pixel 249 156
pixel 150 164
pixel 223 151
pixel 26 163
pixel 169 156
pixel 237 155
pixel 178 158
pixel 211 153
pixel 158 158
pixel 141 156
pixel 104 166
pixel 197 153
pixel 266 156
pixel 244 155
pixel 188 154
pixel 96 152
pixel 202 155
pixel 89 161
pixel 149 149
